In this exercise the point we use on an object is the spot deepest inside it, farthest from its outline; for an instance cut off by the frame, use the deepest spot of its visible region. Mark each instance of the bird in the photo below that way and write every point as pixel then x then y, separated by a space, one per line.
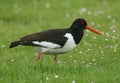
pixel 56 41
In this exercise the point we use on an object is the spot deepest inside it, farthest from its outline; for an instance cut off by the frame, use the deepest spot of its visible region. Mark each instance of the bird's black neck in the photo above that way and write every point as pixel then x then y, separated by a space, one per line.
pixel 77 34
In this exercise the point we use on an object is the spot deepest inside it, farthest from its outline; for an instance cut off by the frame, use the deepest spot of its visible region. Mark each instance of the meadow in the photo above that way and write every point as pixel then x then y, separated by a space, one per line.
pixel 95 60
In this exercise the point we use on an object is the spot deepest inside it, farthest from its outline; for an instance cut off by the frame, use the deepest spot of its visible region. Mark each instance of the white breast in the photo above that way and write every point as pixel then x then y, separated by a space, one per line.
pixel 69 45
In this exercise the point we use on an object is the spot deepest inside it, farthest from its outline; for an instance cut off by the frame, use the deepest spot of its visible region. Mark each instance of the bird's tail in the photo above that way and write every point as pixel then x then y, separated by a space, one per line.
pixel 14 44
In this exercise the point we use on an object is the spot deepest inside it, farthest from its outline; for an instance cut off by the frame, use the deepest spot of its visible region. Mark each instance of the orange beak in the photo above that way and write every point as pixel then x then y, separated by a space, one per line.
pixel 93 30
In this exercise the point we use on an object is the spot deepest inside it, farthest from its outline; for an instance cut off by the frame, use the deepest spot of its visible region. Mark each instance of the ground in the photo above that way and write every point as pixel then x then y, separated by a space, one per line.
pixel 95 60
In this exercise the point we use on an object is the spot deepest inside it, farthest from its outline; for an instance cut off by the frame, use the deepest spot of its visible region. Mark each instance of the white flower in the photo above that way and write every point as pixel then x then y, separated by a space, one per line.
pixel 92 23
pixel 56 76
pixel 80 52
pixel 94 37
pixel 93 60
pixel 83 10
pixel 89 12
pixel 12 60
pixel 73 81
pixel 115 50
pixel 102 57
pixel 90 63
pixel 47 78
pixel 3 46
pixel 113 31
pixel 74 61
pixel 109 16
pixel 59 61
pixel 106 39
pixel 83 62
pixel 47 5
pixel 107 34
pixel 67 15
pixel 113 21
pixel 88 49
pixel 87 65
pixel 101 52
pixel 98 25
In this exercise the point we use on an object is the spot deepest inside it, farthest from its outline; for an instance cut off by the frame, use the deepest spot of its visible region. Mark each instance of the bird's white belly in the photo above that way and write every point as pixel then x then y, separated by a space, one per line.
pixel 55 51
pixel 69 45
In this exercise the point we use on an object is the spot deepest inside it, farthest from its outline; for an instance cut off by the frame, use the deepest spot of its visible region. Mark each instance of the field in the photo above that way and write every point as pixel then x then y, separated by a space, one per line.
pixel 95 60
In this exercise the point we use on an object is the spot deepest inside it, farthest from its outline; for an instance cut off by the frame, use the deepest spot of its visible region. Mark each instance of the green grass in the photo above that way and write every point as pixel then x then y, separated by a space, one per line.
pixel 95 60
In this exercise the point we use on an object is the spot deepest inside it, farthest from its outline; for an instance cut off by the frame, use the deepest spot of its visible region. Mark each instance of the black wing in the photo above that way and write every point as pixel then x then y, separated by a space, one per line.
pixel 55 36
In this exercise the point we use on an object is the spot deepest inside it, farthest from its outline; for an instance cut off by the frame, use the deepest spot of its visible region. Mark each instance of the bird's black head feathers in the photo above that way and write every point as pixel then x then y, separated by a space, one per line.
pixel 79 23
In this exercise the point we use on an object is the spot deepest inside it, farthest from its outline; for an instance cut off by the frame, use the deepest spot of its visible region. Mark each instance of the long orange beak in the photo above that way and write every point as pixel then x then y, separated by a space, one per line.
pixel 93 30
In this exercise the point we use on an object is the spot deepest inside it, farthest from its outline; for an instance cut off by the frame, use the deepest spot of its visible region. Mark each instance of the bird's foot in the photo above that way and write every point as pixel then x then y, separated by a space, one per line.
pixel 55 58
pixel 38 56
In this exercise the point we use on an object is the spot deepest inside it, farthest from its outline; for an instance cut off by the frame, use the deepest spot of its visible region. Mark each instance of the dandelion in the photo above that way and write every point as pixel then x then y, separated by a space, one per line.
pixel 94 37
pixel 100 47
pixel 35 54
pixel 82 10
pixel 56 76
pixel 107 34
pixel 95 13
pixel 86 35
pixel 3 46
pixel 47 5
pixel 87 65
pixel 80 52
pixel 73 81
pixel 104 2
pixel 115 50
pixel 109 16
pixel 94 64
pixel 59 61
pixel 112 27
pixel 113 21
pixel 89 12
pixel 109 47
pixel 70 56
pixel 67 15
pixel 87 31
pixel 106 39
pixel 90 63
pixel 15 5
pixel 88 49
pixel 12 60
pixel 113 37
pixel 92 23
pixel 74 61
pixel 75 66
pixel 47 78
pixel 92 82
pixel 113 31
pixel 102 57
pixel 93 60
pixel 83 62
pixel 98 25
pixel 101 52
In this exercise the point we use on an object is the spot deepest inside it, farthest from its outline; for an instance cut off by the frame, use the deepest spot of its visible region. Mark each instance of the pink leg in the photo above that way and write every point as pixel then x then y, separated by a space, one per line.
pixel 38 56
pixel 55 58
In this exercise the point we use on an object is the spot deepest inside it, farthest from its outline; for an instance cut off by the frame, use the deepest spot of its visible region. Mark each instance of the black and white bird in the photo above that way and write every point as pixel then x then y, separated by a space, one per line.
pixel 56 41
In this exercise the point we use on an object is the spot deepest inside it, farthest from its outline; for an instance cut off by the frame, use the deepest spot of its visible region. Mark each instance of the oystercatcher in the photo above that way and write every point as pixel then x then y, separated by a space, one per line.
pixel 56 41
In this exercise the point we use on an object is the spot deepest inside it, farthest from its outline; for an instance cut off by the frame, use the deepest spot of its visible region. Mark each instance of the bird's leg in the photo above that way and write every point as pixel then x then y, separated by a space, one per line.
pixel 38 55
pixel 55 58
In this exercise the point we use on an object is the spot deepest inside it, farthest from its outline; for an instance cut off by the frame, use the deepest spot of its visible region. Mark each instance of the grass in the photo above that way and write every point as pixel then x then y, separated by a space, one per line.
pixel 95 60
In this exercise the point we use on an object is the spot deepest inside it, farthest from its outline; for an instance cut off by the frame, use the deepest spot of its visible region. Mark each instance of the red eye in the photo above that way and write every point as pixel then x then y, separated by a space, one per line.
pixel 82 23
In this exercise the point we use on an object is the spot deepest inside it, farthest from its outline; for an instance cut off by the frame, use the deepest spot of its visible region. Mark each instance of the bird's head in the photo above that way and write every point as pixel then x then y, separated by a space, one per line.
pixel 81 24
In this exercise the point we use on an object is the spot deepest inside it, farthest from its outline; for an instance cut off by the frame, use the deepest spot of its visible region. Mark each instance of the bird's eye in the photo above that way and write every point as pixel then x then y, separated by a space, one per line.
pixel 82 23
